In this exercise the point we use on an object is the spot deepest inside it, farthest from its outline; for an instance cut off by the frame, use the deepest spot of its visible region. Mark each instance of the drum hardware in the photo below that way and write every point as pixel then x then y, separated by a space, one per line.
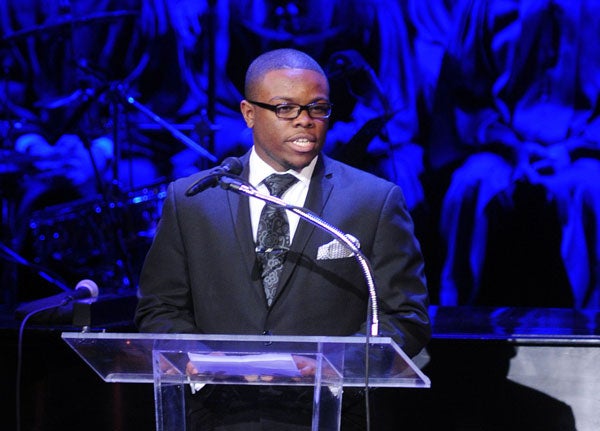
pixel 13 256
pixel 78 95
pixel 175 132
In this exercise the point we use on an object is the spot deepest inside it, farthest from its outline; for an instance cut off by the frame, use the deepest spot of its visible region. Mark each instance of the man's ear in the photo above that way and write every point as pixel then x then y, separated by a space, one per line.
pixel 248 112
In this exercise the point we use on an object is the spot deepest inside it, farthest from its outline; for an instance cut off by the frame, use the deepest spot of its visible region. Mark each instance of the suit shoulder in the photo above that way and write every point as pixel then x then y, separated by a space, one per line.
pixel 357 177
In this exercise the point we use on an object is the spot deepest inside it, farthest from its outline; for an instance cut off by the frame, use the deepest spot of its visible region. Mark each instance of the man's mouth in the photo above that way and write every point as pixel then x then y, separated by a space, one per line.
pixel 302 144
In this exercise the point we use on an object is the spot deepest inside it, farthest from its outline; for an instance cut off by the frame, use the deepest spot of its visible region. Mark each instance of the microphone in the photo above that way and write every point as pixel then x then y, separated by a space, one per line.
pixel 230 166
pixel 84 289
pixel 51 309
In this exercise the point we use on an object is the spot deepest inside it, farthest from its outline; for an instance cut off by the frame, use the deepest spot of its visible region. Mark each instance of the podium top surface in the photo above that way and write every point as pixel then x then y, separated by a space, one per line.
pixel 245 359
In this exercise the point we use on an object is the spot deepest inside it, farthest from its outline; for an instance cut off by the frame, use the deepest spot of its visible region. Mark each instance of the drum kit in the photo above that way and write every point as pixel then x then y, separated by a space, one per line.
pixel 98 239
pixel 104 238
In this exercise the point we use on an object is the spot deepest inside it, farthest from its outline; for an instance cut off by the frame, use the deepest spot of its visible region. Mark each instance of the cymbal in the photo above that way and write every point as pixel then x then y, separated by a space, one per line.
pixel 69 21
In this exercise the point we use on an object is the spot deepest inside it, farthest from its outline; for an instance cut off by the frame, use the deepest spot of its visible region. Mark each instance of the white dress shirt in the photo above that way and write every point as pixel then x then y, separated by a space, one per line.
pixel 295 195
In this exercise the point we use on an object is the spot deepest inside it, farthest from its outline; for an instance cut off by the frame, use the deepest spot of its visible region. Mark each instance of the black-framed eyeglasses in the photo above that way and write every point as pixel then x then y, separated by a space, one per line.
pixel 291 111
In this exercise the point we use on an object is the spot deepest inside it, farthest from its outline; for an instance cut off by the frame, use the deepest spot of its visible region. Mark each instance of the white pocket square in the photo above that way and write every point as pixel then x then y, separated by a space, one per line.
pixel 336 250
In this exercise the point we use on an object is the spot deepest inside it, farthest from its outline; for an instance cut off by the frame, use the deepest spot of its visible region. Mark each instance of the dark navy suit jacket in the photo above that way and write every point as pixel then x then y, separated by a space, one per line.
pixel 201 273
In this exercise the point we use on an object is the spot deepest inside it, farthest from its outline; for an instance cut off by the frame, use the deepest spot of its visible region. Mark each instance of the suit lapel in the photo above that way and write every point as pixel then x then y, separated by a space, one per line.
pixel 240 216
pixel 321 186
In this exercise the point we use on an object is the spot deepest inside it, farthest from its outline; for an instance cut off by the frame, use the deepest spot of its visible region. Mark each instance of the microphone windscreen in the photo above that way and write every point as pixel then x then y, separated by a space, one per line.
pixel 88 285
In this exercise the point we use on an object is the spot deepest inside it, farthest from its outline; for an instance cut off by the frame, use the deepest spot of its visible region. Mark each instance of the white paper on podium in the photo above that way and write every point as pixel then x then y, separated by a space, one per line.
pixel 278 364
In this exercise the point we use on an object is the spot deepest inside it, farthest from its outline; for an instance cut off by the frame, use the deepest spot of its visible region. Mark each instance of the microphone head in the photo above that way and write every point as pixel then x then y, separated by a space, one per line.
pixel 89 286
pixel 232 165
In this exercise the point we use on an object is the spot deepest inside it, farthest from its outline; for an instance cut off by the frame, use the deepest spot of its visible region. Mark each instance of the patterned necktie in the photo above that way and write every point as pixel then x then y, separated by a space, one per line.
pixel 273 236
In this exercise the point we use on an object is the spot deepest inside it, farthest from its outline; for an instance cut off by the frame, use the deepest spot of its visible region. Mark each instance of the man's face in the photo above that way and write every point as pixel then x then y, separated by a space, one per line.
pixel 283 143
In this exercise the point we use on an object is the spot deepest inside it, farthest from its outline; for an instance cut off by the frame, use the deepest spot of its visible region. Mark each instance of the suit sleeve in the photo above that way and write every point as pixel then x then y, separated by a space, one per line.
pixel 399 275
pixel 165 304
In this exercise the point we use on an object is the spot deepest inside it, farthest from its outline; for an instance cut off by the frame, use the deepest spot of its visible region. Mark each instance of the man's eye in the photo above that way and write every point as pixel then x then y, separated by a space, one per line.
pixel 319 109
pixel 286 108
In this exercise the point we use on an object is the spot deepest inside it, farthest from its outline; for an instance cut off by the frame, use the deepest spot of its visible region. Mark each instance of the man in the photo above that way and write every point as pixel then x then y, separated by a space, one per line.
pixel 203 275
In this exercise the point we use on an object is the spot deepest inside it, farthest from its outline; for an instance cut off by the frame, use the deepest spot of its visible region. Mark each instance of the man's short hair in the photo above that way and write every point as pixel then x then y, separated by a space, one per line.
pixel 285 58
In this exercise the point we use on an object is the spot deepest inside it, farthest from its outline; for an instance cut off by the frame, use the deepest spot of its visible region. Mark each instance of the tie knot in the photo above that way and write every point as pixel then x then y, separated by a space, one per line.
pixel 278 184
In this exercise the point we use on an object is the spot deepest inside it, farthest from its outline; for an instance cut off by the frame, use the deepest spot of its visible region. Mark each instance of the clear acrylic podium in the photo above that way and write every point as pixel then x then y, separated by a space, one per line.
pixel 163 360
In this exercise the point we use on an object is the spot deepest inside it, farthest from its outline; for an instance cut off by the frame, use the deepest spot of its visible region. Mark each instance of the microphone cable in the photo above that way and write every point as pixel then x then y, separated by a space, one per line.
pixel 93 293
pixel 20 361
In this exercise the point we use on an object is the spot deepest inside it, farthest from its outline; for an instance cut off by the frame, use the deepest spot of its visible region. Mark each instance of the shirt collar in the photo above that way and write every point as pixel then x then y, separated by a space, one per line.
pixel 259 170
